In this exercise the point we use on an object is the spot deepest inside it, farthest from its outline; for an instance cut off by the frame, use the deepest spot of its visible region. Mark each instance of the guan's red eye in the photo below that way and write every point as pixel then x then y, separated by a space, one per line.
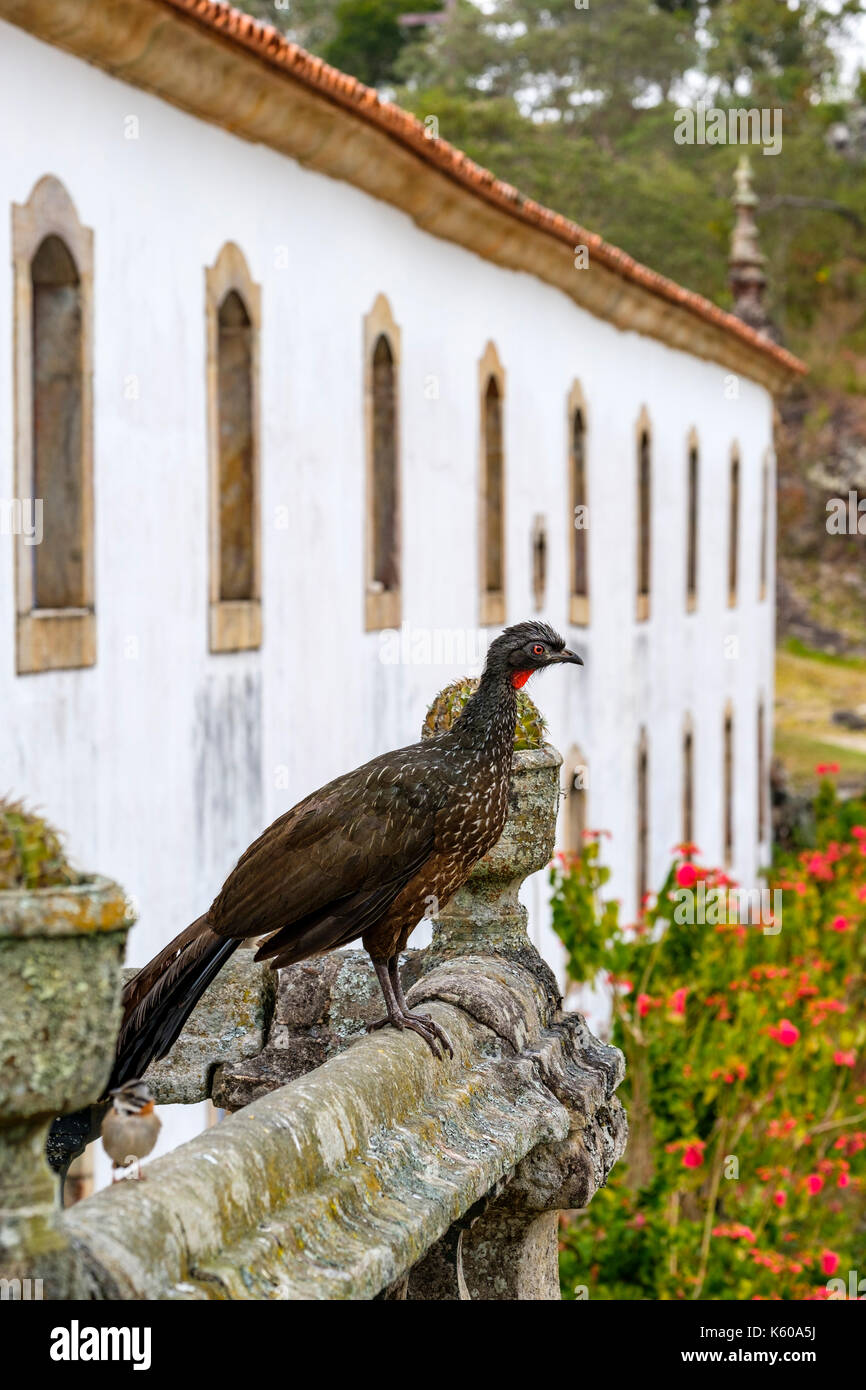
pixel 538 650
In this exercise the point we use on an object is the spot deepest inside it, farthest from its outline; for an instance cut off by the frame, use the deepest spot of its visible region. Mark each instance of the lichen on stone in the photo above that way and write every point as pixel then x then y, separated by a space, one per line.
pixel 448 705
pixel 31 851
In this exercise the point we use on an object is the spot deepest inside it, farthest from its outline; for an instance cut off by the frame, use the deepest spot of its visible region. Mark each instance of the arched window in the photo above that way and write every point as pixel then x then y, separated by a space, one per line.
pixel 233 306
pixel 385 550
pixel 579 509
pixel 688 782
pixel 643 865
pixel 644 516
pixel 59 563
pixel 53 261
pixel 728 785
pixel 733 527
pixel 235 405
pixel 492 500
pixel 765 524
pixel 382 345
pixel 692 525
pixel 576 787
pixel 761 762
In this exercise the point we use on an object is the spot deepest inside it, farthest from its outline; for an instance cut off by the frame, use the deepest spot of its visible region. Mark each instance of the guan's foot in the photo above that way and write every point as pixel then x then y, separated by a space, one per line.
pixel 421 1024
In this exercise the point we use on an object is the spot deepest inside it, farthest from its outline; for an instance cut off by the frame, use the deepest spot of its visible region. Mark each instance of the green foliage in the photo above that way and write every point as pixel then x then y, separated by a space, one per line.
pixel 745 1173
pixel 368 38
pixel 31 854
pixel 449 704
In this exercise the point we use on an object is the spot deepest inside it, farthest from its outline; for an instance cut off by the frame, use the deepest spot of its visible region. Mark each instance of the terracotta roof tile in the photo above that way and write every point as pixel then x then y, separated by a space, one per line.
pixel 272 47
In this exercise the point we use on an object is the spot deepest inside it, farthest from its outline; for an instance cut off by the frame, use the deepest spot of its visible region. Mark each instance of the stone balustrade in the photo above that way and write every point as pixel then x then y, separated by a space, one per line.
pixel 356 1165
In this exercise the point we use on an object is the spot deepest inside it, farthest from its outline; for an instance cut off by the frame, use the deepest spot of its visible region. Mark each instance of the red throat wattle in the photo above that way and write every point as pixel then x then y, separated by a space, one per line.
pixel 520 678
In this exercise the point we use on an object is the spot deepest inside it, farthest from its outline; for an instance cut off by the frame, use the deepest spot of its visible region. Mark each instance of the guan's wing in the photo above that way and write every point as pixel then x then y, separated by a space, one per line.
pixel 330 868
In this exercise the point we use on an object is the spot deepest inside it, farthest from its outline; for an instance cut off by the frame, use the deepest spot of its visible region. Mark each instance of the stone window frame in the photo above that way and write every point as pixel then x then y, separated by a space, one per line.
pixel 643 866
pixel 578 603
pixel 688 757
pixel 763 818
pixel 491 602
pixel 234 625
pixel 51 639
pixel 693 521
pixel 729 736
pixel 735 507
pixel 643 598
pixel 764 539
pixel 382 607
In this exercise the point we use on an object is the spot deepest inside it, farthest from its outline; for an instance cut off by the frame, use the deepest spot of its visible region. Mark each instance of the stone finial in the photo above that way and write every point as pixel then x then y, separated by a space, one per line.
pixel 746 274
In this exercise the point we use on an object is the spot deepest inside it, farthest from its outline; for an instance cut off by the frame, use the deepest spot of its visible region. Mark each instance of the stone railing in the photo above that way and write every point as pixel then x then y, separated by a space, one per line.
pixel 359 1166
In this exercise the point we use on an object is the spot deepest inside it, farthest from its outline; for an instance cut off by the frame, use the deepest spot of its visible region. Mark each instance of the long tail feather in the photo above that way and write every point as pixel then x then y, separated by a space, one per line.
pixel 160 998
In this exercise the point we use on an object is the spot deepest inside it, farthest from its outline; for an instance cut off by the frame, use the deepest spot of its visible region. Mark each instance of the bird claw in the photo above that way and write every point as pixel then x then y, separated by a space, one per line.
pixel 424 1026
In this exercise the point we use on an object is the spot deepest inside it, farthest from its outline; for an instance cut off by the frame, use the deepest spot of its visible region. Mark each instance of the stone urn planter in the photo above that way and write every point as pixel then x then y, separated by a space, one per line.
pixel 61 953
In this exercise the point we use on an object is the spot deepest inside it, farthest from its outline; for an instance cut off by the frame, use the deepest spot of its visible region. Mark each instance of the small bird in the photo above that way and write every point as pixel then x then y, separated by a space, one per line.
pixel 361 857
pixel 131 1126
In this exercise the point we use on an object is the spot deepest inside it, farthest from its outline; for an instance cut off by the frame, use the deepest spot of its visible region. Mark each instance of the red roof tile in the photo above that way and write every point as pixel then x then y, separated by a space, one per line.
pixel 268 44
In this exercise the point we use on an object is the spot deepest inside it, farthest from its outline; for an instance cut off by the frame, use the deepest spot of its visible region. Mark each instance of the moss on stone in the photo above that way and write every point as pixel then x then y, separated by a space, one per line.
pixel 31 852
pixel 449 704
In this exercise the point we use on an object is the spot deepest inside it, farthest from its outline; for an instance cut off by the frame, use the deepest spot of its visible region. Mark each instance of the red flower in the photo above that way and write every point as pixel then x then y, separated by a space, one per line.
pixel 814 1183
pixel 693 1155
pixel 829 1262
pixel 785 1033
pixel 687 875
pixel 677 1001
pixel 844 1180
pixel 845 1059
pixel 780 1198
pixel 840 924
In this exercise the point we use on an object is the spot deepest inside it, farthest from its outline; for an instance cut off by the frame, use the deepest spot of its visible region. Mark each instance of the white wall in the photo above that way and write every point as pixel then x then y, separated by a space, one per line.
pixel 162 768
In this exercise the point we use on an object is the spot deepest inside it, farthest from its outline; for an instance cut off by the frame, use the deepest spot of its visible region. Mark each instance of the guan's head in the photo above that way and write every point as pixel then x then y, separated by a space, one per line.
pixel 524 648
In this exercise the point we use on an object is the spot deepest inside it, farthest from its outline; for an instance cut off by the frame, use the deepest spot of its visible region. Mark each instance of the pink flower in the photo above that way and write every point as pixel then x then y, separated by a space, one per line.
pixel 687 875
pixel 829 1262
pixel 844 1180
pixel 644 1004
pixel 814 1183
pixel 840 924
pixel 693 1155
pixel 677 1001
pixel 780 1198
pixel 785 1033
pixel 845 1059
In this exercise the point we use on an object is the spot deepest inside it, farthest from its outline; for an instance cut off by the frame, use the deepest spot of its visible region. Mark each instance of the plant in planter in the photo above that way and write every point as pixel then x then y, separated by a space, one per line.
pixel 450 702
pixel 62 937
pixel 31 852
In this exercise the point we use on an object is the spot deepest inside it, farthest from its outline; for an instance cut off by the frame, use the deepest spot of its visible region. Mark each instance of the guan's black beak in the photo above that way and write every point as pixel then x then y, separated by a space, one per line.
pixel 569 657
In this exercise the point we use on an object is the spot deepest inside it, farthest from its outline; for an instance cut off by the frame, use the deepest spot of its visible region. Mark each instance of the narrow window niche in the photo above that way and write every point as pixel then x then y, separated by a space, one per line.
pixel 52 254
pixel 233 308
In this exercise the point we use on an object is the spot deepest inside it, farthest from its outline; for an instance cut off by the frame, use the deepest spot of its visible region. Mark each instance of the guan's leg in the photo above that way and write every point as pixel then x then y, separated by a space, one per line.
pixel 401 1018
pixel 394 972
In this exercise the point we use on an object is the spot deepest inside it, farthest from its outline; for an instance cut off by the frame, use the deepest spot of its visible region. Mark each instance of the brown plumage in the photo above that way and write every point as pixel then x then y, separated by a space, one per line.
pixel 365 856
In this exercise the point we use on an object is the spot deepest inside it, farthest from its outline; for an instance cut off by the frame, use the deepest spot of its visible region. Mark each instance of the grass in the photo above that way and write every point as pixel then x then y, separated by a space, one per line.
pixel 810 685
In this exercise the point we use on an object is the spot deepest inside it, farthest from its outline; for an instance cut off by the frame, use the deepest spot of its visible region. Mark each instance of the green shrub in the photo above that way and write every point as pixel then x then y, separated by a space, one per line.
pixel 449 704
pixel 745 1085
pixel 31 853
